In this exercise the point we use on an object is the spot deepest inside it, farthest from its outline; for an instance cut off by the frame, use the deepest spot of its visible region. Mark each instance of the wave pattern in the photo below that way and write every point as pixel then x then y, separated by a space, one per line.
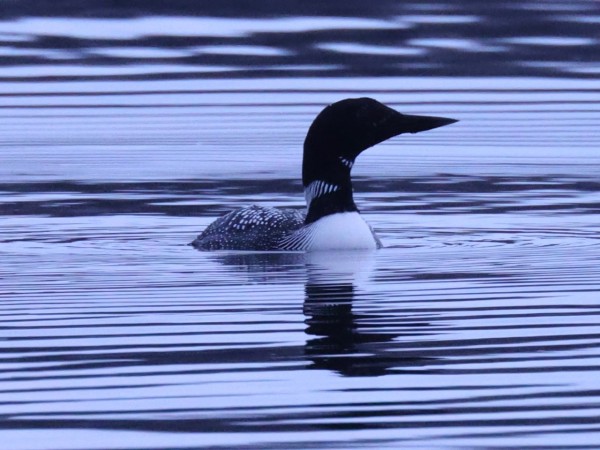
pixel 476 327
pixel 153 40
pixel 456 345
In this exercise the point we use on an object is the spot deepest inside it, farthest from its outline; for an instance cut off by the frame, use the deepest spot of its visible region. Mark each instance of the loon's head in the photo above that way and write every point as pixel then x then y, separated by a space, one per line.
pixel 337 136
pixel 346 128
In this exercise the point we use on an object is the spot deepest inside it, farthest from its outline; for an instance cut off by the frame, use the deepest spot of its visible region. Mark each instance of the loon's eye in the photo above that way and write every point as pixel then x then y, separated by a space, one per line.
pixel 362 112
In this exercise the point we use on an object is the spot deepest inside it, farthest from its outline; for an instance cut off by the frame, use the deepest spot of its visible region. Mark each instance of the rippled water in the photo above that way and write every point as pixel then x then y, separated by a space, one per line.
pixel 475 328
pixel 154 39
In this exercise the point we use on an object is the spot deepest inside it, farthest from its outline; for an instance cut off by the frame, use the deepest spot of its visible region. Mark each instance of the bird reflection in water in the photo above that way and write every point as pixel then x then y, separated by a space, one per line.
pixel 339 339
pixel 344 341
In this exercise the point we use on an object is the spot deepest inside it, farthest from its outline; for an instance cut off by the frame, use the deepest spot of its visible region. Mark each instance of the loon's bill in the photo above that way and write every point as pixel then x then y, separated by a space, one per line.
pixel 332 221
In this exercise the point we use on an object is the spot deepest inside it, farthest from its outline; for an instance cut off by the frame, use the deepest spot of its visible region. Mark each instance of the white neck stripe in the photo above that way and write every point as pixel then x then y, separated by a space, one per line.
pixel 346 162
pixel 318 188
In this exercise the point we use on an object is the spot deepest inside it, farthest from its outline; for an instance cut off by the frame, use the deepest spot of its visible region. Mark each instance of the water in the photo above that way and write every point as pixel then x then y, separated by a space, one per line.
pixel 475 328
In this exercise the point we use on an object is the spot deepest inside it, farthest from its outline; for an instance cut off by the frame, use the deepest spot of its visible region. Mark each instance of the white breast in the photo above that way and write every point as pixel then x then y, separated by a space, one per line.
pixel 341 231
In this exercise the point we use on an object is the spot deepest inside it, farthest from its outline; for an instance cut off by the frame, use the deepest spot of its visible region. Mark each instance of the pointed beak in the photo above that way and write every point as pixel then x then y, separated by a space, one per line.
pixel 391 123
pixel 416 124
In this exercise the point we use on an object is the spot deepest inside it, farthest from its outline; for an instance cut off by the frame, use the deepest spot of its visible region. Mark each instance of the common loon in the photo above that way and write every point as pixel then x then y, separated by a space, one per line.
pixel 332 221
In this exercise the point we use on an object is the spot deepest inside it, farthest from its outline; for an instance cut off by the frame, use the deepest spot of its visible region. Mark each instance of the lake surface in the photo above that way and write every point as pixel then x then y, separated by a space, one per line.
pixel 475 328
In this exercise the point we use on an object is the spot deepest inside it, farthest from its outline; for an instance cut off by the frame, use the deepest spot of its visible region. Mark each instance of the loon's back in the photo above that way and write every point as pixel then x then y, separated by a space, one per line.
pixel 252 228
pixel 273 229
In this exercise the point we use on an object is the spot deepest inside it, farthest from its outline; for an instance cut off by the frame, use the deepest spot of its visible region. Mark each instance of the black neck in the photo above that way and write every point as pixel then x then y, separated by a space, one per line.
pixel 327 185
pixel 326 167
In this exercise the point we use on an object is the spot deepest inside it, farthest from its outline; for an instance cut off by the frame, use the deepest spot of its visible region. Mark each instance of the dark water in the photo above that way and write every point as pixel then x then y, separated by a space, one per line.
pixel 230 39
pixel 475 328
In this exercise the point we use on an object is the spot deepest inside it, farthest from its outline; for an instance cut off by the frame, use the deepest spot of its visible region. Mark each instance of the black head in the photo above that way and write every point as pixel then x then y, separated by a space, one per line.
pixel 346 128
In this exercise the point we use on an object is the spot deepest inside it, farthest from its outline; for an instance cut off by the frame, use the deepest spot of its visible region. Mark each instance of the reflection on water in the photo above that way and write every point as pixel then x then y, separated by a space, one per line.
pixel 126 129
pixel 475 328
pixel 340 339
pixel 155 40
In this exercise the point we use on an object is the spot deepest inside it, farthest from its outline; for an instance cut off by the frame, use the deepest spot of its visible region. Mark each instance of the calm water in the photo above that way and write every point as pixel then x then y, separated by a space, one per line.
pixel 475 328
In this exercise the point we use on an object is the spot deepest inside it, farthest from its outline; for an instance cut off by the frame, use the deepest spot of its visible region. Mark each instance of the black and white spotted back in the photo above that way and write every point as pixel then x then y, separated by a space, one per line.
pixel 252 228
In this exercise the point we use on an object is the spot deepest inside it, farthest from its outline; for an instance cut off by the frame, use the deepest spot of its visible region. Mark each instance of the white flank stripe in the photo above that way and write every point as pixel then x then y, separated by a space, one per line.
pixel 340 231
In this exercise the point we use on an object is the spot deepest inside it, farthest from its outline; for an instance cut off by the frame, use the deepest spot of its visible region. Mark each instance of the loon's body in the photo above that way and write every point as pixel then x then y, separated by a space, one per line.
pixel 332 221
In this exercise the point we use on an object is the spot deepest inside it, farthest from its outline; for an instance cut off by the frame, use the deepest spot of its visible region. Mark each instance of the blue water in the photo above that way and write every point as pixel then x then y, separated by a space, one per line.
pixel 475 328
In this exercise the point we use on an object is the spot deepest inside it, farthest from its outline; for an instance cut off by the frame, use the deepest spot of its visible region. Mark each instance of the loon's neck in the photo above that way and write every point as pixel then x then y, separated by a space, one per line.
pixel 327 187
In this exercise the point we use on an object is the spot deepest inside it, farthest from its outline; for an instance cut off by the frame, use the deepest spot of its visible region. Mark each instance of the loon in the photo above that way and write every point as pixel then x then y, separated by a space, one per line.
pixel 332 221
